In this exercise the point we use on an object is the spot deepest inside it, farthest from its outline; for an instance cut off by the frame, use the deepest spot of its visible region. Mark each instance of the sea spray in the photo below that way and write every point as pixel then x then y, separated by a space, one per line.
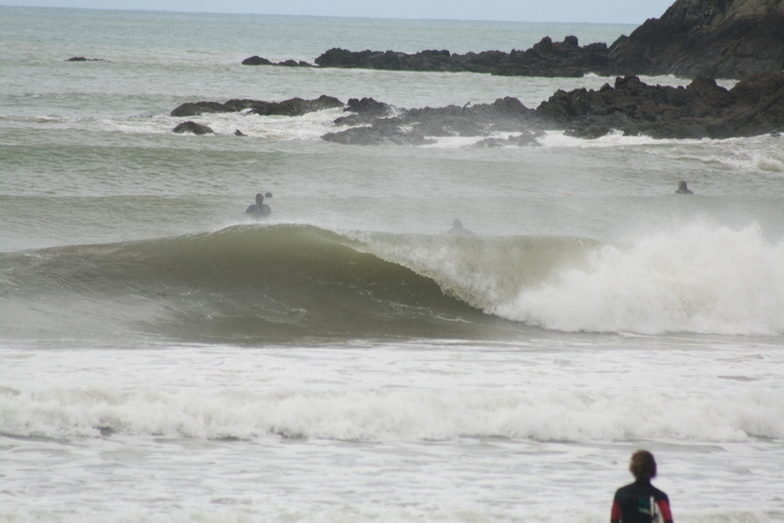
pixel 699 279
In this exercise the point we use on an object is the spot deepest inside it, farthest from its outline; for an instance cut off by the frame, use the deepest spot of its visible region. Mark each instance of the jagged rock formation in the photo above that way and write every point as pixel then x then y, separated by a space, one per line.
pixel 291 107
pixel 715 38
pixel 419 126
pixel 547 58
pixel 700 110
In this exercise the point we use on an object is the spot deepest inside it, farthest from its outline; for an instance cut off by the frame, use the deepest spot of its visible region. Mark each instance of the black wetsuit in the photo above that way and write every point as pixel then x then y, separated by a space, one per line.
pixel 632 504
pixel 258 209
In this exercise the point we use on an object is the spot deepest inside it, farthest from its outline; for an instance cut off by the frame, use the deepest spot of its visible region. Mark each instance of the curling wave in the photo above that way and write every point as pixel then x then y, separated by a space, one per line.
pixel 290 283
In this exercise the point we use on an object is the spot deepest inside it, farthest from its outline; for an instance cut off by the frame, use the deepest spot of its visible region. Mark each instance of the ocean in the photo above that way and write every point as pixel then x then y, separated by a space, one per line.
pixel 165 357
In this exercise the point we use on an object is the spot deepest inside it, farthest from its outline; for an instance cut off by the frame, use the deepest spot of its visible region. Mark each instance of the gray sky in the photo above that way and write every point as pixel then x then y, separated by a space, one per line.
pixel 594 11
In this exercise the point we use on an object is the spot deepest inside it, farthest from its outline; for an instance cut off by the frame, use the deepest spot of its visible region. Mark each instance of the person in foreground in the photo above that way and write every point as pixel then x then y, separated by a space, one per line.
pixel 641 502
pixel 682 188
pixel 259 208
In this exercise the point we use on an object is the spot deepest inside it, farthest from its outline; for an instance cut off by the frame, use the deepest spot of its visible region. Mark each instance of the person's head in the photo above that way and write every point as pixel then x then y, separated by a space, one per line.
pixel 259 198
pixel 642 465
pixel 268 195
pixel 456 223
pixel 682 184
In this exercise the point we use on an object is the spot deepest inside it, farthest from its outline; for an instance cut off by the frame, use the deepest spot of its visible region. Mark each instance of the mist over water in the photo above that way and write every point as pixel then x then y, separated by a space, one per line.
pixel 166 357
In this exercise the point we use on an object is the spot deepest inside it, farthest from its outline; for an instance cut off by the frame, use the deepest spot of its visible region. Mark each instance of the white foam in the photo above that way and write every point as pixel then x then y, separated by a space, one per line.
pixel 580 414
pixel 559 139
pixel 699 279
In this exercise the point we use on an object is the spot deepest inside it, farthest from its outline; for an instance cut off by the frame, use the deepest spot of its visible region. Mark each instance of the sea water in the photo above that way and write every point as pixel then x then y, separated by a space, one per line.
pixel 164 357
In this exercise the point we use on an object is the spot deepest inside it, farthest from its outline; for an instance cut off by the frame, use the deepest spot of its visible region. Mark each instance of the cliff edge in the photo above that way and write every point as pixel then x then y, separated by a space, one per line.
pixel 713 38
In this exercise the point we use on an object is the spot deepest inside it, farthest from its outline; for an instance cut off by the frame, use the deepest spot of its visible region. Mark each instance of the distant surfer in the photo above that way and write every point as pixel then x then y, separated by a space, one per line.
pixel 640 501
pixel 682 189
pixel 259 208
pixel 457 228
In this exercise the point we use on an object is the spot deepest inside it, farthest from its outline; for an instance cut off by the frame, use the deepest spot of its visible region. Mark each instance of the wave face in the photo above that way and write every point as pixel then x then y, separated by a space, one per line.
pixel 291 283
pixel 241 284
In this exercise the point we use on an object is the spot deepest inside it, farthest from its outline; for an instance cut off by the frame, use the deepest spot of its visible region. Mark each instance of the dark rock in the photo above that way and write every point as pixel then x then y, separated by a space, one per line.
pixel 546 58
pixel 292 107
pixel 715 38
pixel 83 59
pixel 702 109
pixel 257 60
pixel 368 106
pixel 525 139
pixel 414 126
pixel 710 38
pixel 192 127
pixel 192 109
pixel 296 106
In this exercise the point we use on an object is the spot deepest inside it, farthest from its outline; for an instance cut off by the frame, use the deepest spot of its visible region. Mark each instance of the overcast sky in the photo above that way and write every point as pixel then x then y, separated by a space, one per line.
pixel 594 11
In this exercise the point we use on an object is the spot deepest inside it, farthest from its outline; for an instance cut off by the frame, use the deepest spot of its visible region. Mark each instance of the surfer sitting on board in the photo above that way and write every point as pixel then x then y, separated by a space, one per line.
pixel 259 208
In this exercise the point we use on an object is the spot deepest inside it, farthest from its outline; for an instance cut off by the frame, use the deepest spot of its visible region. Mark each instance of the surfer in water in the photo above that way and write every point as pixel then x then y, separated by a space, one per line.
pixel 682 189
pixel 457 228
pixel 641 502
pixel 259 208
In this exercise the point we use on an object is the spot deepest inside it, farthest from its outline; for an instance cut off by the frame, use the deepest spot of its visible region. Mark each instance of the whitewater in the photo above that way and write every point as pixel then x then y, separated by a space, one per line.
pixel 165 357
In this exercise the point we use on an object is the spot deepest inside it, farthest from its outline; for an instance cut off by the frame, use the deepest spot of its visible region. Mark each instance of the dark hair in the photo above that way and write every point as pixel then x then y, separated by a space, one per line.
pixel 642 465
pixel 259 198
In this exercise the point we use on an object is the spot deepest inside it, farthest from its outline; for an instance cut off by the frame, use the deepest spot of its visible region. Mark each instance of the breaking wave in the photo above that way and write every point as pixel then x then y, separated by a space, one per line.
pixel 288 283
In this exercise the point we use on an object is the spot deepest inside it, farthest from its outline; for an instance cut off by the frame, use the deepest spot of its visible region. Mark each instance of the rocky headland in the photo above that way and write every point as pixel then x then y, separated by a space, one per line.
pixel 714 38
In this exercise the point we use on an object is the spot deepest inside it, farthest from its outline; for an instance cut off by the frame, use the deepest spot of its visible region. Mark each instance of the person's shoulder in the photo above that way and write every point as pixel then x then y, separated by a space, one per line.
pixel 626 488
pixel 660 493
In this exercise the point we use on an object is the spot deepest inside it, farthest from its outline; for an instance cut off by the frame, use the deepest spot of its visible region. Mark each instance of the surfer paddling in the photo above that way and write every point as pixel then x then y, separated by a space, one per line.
pixel 259 208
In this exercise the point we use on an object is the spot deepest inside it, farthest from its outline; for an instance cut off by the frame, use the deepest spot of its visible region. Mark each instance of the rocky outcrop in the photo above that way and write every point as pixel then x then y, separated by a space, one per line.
pixel 196 108
pixel 715 38
pixel 700 110
pixel 419 126
pixel 192 127
pixel 296 106
pixel 546 58
pixel 257 60
pixel 703 109
pixel 364 111
pixel 291 107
